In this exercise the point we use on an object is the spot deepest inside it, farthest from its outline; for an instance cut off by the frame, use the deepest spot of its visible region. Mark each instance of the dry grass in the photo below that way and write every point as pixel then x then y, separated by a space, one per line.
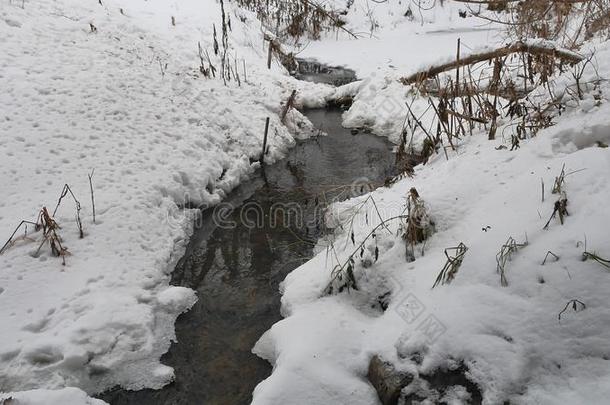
pixel 452 265
pixel 508 249
pixel 49 226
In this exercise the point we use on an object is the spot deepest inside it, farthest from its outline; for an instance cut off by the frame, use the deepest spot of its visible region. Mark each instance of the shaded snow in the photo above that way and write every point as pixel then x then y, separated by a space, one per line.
pixel 64 396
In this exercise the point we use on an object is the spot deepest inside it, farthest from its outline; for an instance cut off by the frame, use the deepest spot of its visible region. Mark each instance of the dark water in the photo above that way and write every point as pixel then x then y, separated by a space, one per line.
pixel 236 270
pixel 312 71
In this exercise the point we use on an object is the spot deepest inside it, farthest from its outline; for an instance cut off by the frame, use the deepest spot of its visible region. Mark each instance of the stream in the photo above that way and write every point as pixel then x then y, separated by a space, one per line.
pixel 242 250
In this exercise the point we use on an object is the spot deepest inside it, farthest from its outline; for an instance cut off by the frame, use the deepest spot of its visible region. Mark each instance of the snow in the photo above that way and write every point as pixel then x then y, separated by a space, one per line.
pixel 127 101
pixel 64 396
pixel 400 46
pixel 510 338
pixel 397 48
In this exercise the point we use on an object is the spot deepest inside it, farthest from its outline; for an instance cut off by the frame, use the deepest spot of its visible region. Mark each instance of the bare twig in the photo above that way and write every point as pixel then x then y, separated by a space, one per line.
pixel 10 240
pixel 90 175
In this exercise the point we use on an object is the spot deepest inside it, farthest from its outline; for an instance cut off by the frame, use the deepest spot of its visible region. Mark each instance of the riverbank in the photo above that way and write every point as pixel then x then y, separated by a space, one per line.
pixel 117 87
pixel 533 330
pixel 113 89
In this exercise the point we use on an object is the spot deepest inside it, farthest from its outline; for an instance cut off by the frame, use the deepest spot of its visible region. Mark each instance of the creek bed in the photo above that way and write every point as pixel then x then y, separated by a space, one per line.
pixel 237 258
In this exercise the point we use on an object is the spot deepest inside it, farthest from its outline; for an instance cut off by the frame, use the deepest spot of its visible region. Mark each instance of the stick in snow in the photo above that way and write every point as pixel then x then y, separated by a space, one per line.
pixel 519 46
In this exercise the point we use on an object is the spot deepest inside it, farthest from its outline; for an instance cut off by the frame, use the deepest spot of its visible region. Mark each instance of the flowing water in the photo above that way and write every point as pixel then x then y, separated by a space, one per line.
pixel 242 250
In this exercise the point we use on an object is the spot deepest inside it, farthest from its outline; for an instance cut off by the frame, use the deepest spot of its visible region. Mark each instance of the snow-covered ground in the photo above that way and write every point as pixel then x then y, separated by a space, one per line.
pixel 126 100
pixel 510 338
pixel 399 45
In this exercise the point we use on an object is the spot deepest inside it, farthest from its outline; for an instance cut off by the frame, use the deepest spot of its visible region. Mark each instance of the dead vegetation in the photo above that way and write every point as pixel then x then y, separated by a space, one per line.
pixel 64 192
pixel 415 227
pixel 568 22
pixel 594 256
pixel 576 306
pixel 510 90
pixel 560 207
pixel 342 275
pixel 418 225
pixel 49 226
pixel 454 261
pixel 222 64
pixel 508 249
pixel 289 104
pixel 532 49
pixel 50 235
pixel 296 19
pixel 511 87
pixel 586 255
pixel 549 253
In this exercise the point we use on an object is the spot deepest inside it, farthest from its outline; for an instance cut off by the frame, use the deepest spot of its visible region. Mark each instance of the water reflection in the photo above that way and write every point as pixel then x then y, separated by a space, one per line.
pixel 237 270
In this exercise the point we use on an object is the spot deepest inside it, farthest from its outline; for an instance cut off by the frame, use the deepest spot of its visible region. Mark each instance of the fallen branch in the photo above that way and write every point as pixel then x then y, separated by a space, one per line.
pixel 519 46
pixel 466 117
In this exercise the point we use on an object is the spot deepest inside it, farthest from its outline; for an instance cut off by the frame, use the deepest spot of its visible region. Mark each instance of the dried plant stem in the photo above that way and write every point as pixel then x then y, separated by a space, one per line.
pixel 452 265
pixel 504 255
pixel 90 175
pixel 547 255
pixel 593 256
pixel 10 239
pixel 64 193
pixel 339 269
pixel 574 304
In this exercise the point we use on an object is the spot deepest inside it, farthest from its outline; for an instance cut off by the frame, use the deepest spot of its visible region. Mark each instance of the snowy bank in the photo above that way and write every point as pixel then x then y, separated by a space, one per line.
pixel 64 396
pixel 543 338
pixel 116 88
